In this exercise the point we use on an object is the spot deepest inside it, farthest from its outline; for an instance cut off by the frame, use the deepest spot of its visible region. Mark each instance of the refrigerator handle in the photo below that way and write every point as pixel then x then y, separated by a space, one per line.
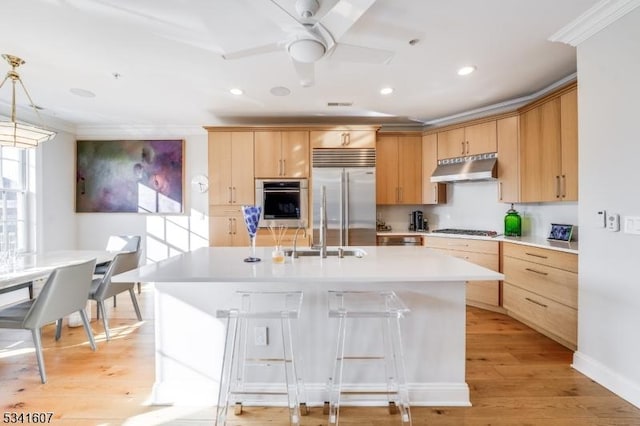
pixel 345 227
pixel 342 207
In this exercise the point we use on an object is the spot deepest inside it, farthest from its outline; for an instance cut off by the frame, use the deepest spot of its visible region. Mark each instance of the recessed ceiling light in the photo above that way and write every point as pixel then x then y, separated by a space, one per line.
pixel 280 91
pixel 466 70
pixel 386 90
pixel 82 92
pixel 236 91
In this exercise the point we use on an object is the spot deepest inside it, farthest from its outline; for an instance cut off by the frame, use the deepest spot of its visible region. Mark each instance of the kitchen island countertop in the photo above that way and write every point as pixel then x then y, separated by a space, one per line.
pixel 190 288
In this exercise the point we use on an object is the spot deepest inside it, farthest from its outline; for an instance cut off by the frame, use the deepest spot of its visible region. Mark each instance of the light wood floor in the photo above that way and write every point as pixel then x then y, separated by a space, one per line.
pixel 516 376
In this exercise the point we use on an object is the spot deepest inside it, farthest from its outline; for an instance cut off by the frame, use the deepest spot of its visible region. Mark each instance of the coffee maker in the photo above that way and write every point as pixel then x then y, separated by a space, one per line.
pixel 417 221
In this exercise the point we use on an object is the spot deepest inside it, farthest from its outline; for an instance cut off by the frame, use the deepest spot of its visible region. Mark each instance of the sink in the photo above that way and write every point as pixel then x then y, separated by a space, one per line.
pixel 330 252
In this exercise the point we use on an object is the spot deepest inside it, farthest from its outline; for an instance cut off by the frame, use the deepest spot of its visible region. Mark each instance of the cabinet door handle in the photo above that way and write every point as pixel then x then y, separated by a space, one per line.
pixel 435 193
pixel 500 191
pixel 535 302
pixel 284 167
pixel 557 186
pixel 230 196
pixel 233 188
pixel 536 255
pixel 343 137
pixel 467 147
pixel 235 226
pixel 564 186
pixel 536 272
pixel 347 138
pixel 229 226
pixel 462 148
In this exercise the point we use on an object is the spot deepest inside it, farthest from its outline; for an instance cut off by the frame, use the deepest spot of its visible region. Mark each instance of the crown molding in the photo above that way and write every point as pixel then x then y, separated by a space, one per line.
pixel 501 107
pixel 593 21
pixel 129 131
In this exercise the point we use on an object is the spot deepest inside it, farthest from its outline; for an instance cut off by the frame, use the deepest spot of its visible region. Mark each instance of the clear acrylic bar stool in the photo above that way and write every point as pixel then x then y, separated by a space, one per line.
pixel 282 307
pixel 388 309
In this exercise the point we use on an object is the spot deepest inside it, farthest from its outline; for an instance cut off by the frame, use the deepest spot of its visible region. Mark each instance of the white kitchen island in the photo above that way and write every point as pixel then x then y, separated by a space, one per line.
pixel 191 287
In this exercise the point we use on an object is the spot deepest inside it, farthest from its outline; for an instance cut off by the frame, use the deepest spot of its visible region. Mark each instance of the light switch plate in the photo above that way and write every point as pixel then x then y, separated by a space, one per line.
pixel 613 222
pixel 601 219
pixel 632 225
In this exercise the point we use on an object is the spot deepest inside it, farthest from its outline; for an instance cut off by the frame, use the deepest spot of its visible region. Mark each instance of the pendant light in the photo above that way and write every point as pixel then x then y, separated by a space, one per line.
pixel 13 133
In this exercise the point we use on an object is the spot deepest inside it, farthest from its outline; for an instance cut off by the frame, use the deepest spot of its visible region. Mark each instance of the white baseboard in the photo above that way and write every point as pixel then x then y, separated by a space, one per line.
pixel 608 378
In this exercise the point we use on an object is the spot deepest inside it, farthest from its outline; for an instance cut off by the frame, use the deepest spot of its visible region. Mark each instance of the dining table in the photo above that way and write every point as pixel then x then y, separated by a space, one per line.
pixel 25 268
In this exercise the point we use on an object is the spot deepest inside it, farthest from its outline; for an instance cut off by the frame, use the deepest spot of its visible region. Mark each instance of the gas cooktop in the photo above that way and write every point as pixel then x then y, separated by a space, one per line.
pixel 474 232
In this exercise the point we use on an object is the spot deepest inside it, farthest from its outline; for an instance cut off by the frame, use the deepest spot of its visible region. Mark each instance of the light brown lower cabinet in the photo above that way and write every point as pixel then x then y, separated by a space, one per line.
pixel 484 294
pixel 226 227
pixel 541 290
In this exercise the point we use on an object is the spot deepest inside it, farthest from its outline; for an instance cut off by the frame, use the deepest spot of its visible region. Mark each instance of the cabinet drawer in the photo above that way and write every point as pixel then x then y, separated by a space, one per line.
pixel 553 283
pixel 487 292
pixel 556 259
pixel 264 238
pixel 224 210
pixel 463 244
pixel 557 319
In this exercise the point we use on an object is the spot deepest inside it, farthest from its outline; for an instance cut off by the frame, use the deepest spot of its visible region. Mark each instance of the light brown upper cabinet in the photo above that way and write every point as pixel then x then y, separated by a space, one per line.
pixel 432 193
pixel 508 160
pixel 569 138
pixel 343 139
pixel 470 140
pixel 549 150
pixel 231 168
pixel 399 169
pixel 281 154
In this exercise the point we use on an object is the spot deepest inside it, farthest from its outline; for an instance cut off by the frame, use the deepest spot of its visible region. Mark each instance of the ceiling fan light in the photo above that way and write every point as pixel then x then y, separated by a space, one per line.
pixel 466 70
pixel 306 50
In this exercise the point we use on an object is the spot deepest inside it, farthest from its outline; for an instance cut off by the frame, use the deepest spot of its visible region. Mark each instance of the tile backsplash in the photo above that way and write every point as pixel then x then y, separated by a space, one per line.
pixel 475 205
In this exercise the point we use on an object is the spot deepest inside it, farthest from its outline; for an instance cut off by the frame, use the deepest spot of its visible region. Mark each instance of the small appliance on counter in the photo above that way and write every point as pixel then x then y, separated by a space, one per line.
pixel 512 223
pixel 417 221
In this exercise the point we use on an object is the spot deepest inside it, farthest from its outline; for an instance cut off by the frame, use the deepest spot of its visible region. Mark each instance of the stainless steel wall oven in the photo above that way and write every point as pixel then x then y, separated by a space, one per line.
pixel 283 201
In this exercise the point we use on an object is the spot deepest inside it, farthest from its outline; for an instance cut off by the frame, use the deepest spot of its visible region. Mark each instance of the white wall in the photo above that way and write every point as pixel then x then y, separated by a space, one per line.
pixel 55 194
pixel 163 235
pixel 474 205
pixel 609 296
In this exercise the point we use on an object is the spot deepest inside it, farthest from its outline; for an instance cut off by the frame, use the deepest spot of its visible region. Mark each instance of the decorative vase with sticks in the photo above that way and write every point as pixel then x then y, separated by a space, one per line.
pixel 251 216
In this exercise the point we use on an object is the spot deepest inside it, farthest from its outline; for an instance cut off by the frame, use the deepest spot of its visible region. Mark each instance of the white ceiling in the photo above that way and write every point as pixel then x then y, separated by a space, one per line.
pixel 169 56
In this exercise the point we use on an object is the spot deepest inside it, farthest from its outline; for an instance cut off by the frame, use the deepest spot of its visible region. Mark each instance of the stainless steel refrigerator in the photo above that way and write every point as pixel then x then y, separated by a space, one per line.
pixel 349 176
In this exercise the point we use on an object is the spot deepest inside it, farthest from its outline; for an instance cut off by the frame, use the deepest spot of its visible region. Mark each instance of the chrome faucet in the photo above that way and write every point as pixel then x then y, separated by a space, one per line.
pixel 302 225
pixel 323 222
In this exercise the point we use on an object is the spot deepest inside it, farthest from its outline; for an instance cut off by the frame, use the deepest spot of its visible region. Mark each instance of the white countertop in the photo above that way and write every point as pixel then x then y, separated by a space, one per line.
pixel 380 264
pixel 570 247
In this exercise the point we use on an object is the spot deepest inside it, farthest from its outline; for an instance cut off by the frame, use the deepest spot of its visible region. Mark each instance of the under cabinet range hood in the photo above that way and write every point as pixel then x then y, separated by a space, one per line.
pixel 470 168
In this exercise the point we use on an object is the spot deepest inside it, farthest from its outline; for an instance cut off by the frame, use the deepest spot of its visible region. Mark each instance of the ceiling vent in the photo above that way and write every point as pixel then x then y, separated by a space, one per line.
pixel 339 104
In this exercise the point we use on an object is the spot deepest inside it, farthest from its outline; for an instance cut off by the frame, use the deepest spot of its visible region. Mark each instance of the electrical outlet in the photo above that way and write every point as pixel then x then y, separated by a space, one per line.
pixel 261 336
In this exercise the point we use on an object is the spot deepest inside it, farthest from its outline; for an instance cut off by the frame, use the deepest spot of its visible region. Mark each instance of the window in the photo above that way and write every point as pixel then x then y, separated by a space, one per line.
pixel 14 199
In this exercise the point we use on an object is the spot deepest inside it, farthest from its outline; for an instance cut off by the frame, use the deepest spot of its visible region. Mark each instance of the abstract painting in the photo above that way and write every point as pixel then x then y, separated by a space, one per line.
pixel 143 176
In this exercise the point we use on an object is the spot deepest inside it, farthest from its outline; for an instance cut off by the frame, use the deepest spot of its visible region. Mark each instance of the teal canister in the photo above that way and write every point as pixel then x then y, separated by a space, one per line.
pixel 512 223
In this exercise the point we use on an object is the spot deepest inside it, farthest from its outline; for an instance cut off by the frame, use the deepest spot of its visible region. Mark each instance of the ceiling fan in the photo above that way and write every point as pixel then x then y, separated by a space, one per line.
pixel 310 39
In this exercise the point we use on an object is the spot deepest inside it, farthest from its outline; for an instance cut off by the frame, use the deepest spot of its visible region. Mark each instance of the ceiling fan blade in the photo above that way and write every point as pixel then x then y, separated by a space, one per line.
pixel 306 73
pixel 368 55
pixel 343 15
pixel 267 48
